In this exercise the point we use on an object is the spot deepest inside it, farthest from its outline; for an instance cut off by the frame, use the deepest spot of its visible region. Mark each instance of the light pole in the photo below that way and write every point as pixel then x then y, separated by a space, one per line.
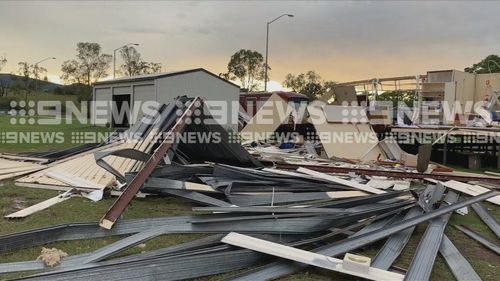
pixel 267 46
pixel 36 71
pixel 114 56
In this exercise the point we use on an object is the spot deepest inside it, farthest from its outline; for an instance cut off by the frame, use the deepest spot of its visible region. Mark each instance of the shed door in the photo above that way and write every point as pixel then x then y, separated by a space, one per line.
pixel 102 106
pixel 142 94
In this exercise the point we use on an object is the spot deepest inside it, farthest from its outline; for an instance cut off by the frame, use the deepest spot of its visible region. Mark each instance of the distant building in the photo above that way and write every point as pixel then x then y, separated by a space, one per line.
pixel 251 102
pixel 450 86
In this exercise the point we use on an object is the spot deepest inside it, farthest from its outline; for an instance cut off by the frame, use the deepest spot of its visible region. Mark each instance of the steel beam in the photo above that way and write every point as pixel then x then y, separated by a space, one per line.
pixel 488 219
pixel 459 266
pixel 421 266
pixel 483 241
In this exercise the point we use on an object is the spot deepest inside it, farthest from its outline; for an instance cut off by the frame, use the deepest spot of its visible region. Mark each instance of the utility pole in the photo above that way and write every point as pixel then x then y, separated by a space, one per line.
pixel 267 46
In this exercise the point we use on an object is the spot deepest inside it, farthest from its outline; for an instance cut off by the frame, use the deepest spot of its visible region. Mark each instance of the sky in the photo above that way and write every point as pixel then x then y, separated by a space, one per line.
pixel 341 40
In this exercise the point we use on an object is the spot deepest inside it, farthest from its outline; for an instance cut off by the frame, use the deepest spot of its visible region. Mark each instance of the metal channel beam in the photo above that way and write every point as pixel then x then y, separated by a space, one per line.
pixel 75 231
pixel 114 213
pixel 191 195
pixel 77 260
pixel 270 210
pixel 483 241
pixel 163 268
pixel 283 268
pixel 421 266
pixel 459 266
pixel 395 244
pixel 488 219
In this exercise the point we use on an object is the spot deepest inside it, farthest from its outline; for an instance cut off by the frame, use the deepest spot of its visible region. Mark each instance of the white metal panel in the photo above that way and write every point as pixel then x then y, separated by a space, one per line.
pixel 122 90
pixel 486 84
pixel 440 76
pixel 465 87
pixel 142 94
pixel 202 84
pixel 101 111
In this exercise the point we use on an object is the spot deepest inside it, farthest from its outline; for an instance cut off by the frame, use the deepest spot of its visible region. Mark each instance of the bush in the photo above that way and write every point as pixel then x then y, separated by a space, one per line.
pixel 5 102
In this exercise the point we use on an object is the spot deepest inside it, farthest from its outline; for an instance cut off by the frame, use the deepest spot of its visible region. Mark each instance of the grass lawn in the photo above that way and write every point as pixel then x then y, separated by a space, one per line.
pixel 42 138
pixel 12 198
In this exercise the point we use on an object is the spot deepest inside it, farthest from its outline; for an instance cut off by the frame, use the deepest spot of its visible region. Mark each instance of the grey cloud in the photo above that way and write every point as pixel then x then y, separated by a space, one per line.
pixel 329 36
pixel 143 30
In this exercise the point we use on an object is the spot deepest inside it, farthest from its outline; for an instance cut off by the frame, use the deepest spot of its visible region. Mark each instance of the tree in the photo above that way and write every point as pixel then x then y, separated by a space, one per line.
pixel 134 65
pixel 406 96
pixel 3 62
pixel 3 85
pixel 29 72
pixel 490 64
pixel 309 84
pixel 24 69
pixel 71 72
pixel 247 66
pixel 37 70
pixel 89 66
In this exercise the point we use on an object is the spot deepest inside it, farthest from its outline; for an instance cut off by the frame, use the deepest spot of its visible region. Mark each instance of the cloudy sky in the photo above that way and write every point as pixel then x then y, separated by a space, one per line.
pixel 344 40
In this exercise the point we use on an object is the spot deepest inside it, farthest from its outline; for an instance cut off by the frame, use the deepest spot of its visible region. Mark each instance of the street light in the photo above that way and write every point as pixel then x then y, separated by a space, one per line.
pixel 36 71
pixel 114 56
pixel 267 46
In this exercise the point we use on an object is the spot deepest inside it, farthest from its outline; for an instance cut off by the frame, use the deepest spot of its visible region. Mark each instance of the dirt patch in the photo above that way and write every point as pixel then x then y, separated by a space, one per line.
pixel 18 203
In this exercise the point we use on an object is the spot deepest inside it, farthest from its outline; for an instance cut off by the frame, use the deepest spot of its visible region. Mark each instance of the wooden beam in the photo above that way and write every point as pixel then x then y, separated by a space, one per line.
pixel 351 266
pixel 42 205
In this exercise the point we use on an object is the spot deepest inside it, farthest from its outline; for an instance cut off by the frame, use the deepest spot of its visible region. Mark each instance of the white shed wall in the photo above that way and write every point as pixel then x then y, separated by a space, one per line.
pixel 142 94
pixel 199 84
pixel 101 96
pixel 166 89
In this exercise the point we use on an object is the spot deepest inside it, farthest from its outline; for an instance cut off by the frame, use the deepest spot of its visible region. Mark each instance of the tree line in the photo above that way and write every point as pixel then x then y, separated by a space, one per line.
pixel 246 66
pixel 89 65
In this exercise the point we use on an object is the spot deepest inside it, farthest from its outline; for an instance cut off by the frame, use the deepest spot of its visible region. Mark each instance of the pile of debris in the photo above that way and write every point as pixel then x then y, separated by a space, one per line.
pixel 276 219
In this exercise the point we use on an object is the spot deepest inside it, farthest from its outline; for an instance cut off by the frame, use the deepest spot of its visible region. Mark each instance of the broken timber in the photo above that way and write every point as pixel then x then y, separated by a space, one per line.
pixel 42 205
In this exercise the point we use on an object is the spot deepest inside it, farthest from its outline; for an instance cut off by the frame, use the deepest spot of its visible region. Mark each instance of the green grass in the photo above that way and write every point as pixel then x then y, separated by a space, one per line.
pixel 5 100
pixel 41 138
